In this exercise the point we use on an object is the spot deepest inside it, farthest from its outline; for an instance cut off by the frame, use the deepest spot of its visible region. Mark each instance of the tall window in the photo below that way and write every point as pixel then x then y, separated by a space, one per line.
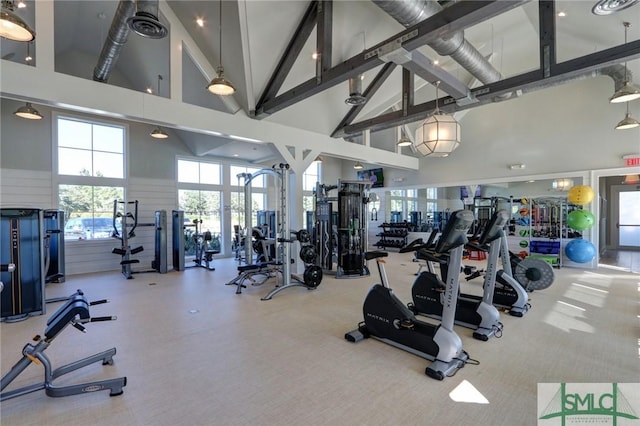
pixel 258 193
pixel 401 203
pixel 199 194
pixel 90 175
pixel 309 179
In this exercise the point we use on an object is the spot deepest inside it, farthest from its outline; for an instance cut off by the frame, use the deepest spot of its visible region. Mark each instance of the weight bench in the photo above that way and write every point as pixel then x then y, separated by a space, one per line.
pixel 75 312
pixel 247 272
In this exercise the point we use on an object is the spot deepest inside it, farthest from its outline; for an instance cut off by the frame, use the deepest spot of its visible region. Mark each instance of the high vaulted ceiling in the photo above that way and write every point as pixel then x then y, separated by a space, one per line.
pixel 360 37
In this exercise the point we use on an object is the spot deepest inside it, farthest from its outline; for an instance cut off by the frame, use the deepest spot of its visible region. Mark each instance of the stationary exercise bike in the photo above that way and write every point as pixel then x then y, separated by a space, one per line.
pixel 387 319
pixel 479 314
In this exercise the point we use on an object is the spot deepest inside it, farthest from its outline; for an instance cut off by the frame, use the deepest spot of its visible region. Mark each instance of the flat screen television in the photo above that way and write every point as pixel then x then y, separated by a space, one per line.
pixel 375 176
pixel 464 192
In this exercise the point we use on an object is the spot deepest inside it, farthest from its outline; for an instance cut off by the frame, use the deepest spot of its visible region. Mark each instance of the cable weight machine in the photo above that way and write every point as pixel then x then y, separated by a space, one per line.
pixel 125 223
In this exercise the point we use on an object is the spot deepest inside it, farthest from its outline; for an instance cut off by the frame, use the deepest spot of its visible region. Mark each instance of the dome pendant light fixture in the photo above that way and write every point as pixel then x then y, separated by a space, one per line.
pixel 220 85
pixel 29 112
pixel 358 166
pixel 404 140
pixel 158 133
pixel 628 91
pixel 12 27
pixel 628 122
pixel 439 134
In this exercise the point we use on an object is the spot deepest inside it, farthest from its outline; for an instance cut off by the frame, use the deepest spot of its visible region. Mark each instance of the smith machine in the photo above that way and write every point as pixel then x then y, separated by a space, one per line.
pixel 283 240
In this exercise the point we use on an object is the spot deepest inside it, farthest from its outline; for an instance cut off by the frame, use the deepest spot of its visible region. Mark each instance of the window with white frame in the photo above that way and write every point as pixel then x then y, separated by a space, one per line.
pixel 199 196
pixel 310 177
pixel 90 174
pixel 258 194
pixel 401 203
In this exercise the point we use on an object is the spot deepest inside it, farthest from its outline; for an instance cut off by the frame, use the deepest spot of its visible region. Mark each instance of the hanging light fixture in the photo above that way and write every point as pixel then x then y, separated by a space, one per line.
pixel 628 122
pixel 220 85
pixel 355 92
pixel 628 91
pixel 439 134
pixel 28 111
pixel 12 27
pixel 358 166
pixel 404 140
pixel 158 133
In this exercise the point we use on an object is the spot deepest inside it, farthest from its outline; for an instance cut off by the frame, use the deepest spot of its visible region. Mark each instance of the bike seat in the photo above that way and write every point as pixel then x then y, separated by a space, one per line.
pixel 375 254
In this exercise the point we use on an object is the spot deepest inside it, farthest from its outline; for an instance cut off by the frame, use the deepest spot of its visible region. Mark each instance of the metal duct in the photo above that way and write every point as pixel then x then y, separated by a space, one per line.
pixel 145 22
pixel 410 12
pixel 116 39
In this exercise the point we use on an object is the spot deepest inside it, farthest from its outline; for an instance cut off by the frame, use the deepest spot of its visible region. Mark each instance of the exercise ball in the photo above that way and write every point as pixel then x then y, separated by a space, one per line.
pixel 580 251
pixel 580 195
pixel 580 220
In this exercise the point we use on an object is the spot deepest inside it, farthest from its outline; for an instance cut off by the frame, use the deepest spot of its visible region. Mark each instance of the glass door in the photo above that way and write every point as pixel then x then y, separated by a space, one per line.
pixel 627 200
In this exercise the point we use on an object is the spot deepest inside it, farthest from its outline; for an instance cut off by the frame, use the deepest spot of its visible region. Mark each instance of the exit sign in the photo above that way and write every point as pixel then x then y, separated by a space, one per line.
pixel 635 161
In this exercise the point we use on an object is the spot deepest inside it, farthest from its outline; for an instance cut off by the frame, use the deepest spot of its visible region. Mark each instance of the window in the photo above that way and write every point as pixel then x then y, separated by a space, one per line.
pixel 310 177
pixel 200 197
pixel 401 203
pixel 198 172
pixel 90 175
pixel 258 194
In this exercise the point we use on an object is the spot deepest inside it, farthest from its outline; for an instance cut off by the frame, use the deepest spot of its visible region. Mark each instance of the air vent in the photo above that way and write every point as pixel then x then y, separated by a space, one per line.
pixel 607 7
pixel 147 25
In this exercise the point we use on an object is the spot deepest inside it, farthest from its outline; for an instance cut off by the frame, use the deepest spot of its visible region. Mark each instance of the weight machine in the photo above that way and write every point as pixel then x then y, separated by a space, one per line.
pixel 282 240
pixel 204 250
pixel 122 215
pixel 352 228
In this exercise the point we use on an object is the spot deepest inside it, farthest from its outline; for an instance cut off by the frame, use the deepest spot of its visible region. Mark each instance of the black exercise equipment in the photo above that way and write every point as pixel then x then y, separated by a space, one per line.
pixel 125 223
pixel 54 261
pixel 352 228
pixel 75 312
pixel 477 313
pixel 387 319
pixel 22 244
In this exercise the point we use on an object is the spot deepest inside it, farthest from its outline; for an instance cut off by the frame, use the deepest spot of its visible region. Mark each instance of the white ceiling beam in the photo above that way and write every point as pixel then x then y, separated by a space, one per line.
pixel 23 82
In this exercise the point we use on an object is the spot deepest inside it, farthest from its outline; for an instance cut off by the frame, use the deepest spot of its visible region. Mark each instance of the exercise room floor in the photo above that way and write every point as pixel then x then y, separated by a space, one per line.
pixel 195 353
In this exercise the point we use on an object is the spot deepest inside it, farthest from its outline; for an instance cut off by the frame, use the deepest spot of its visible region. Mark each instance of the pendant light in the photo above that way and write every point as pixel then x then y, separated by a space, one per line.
pixel 404 140
pixel 358 166
pixel 220 85
pixel 628 122
pixel 28 111
pixel 628 91
pixel 12 27
pixel 439 134
pixel 158 133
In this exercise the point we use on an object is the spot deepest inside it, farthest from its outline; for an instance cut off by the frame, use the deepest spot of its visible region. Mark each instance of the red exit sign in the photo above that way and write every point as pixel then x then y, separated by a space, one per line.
pixel 633 161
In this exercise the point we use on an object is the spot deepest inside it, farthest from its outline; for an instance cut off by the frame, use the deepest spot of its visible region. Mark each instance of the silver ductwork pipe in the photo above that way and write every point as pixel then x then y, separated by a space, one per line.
pixel 118 33
pixel 145 22
pixel 410 12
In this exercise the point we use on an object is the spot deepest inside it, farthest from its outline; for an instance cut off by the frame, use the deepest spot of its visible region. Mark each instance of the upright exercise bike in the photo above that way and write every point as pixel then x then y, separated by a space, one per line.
pixel 387 319
pixel 477 313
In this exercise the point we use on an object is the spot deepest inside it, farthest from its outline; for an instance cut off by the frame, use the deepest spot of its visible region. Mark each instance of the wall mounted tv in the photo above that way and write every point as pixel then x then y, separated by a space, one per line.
pixel 375 176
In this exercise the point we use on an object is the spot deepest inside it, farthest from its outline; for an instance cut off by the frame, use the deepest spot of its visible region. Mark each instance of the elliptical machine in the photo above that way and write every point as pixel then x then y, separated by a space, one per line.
pixel 387 319
pixel 477 313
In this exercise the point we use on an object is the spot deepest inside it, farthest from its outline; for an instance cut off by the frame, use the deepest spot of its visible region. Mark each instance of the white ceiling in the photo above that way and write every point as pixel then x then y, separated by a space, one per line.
pixel 255 35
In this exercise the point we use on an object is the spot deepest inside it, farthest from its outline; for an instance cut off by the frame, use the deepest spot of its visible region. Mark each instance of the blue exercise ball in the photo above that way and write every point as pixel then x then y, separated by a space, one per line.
pixel 580 251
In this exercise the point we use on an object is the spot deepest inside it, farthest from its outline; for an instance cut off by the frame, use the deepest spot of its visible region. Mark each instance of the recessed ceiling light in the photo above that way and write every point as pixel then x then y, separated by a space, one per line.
pixel 315 55
pixel 21 4
pixel 236 155
pixel 436 62
pixel 200 22
pixel 149 90
pixel 562 14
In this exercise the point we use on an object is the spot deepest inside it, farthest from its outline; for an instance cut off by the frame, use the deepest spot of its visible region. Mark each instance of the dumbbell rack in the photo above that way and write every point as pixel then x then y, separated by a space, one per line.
pixel 393 235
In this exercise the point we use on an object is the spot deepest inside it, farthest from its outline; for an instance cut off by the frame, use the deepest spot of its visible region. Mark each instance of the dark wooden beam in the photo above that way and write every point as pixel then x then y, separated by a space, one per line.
pixel 489 93
pixel 325 36
pixel 454 18
pixel 290 55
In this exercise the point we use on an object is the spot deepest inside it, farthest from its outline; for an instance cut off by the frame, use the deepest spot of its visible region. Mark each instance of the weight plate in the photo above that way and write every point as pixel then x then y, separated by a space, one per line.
pixel 533 274
pixel 312 276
